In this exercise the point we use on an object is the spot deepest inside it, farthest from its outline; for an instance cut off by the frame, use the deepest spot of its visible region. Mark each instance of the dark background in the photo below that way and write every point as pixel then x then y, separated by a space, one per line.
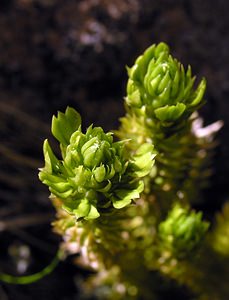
pixel 58 53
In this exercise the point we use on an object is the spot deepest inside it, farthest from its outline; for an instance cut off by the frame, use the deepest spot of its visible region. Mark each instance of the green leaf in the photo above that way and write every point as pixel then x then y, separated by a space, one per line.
pixel 82 209
pixel 93 213
pixel 118 204
pixel 124 197
pixel 170 113
pixel 165 81
pixel 161 48
pixel 142 63
pixel 52 164
pixel 199 93
pixel 99 173
pixel 65 124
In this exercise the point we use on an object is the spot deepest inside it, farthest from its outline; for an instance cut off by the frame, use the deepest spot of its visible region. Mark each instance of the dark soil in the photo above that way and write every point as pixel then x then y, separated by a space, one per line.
pixel 58 53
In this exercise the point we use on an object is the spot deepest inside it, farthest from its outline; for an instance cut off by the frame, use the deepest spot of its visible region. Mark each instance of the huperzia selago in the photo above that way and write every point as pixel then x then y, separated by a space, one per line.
pixel 128 218
pixel 124 201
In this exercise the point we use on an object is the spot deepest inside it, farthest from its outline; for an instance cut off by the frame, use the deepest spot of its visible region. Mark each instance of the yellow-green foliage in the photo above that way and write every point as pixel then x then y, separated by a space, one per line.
pixel 128 213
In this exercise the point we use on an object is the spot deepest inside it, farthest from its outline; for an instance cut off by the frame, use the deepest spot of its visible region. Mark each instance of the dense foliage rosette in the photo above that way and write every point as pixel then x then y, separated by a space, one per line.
pixel 182 231
pixel 159 85
pixel 94 175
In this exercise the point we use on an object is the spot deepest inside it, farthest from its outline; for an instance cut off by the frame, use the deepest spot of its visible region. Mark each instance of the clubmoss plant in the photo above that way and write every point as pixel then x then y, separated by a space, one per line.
pixel 125 200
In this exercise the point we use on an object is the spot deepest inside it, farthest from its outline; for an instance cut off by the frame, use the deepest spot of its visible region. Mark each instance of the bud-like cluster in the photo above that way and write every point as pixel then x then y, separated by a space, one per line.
pixel 182 231
pixel 159 84
pixel 94 174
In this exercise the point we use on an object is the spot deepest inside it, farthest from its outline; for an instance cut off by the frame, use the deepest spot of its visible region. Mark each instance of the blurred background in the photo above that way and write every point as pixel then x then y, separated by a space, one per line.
pixel 56 53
